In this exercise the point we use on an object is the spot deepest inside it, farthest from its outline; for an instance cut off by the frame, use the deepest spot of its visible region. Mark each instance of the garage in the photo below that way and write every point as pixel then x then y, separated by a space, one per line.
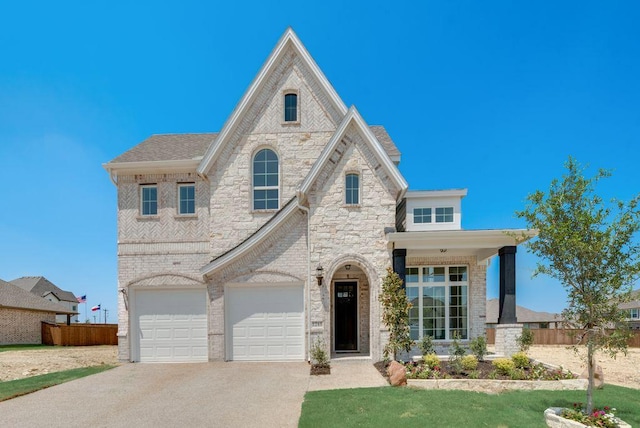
pixel 264 322
pixel 171 325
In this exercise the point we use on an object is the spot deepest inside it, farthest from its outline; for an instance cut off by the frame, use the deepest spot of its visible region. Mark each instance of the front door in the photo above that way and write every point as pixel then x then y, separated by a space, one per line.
pixel 346 306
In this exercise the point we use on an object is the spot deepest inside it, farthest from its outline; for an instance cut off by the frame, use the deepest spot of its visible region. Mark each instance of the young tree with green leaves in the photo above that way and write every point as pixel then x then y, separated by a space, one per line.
pixel 590 247
pixel 395 314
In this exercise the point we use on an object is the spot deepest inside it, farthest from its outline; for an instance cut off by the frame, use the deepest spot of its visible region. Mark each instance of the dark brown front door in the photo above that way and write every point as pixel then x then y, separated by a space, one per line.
pixel 346 305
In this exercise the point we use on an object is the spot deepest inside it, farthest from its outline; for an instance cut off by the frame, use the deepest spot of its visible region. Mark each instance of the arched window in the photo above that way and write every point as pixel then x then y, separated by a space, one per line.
pixel 265 180
pixel 352 189
pixel 291 107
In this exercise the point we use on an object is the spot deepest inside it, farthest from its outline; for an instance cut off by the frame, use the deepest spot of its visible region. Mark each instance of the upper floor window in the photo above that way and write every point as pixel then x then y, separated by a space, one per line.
pixel 265 180
pixel 352 189
pixel 291 107
pixel 422 215
pixel 444 215
pixel 187 198
pixel 149 199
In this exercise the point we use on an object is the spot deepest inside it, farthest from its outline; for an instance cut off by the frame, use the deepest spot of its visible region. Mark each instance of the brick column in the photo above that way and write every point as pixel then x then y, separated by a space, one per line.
pixel 400 263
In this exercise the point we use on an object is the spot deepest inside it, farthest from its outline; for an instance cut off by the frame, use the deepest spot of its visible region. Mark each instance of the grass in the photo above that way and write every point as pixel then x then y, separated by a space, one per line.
pixel 18 387
pixel 5 348
pixel 408 407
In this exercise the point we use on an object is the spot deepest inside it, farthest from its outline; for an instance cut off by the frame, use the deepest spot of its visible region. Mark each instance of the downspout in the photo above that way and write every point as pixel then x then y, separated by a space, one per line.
pixel 306 210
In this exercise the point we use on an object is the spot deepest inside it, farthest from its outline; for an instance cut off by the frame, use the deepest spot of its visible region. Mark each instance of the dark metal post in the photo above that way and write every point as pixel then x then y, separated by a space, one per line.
pixel 507 314
pixel 399 263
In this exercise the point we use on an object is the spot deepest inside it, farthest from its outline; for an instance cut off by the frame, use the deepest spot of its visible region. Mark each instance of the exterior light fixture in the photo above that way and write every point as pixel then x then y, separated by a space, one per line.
pixel 319 274
pixel 347 267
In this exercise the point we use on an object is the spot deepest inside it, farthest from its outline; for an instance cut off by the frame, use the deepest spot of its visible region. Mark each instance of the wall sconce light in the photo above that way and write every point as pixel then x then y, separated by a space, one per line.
pixel 319 274
pixel 347 267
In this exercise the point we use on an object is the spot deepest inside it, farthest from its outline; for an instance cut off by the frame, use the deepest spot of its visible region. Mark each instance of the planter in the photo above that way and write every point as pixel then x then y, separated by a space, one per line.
pixel 320 369
pixel 554 420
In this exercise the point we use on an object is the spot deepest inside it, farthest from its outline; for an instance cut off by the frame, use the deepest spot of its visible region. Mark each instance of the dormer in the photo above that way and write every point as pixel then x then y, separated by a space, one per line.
pixel 426 210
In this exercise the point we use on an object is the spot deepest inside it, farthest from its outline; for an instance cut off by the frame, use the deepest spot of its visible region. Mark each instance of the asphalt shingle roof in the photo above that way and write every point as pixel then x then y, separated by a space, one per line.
pixel 39 285
pixel 524 315
pixel 165 147
pixel 12 296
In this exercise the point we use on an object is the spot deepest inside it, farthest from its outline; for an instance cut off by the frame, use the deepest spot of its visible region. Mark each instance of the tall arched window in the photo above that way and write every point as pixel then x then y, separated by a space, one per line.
pixel 291 107
pixel 352 189
pixel 265 180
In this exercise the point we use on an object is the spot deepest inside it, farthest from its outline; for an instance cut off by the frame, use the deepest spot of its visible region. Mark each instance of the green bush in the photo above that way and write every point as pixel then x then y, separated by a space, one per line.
pixel 426 345
pixel 469 362
pixel 520 360
pixel 504 366
pixel 479 347
pixel 319 352
pixel 525 340
pixel 432 361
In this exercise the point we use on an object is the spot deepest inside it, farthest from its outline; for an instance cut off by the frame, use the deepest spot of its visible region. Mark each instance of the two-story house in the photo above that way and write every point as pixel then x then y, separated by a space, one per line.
pixel 253 242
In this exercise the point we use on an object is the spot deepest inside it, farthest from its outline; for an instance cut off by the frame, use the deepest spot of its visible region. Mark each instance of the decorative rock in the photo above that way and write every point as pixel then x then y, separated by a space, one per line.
pixel 397 374
pixel 598 376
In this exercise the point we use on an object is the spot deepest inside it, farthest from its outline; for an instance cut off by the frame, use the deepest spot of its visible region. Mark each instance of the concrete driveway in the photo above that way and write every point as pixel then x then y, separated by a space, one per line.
pixel 169 395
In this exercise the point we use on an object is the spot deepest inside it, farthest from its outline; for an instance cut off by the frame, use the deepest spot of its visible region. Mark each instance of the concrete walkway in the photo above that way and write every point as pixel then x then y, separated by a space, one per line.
pixel 229 394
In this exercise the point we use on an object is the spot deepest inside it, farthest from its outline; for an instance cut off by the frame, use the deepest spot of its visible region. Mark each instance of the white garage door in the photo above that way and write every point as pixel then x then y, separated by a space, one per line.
pixel 264 323
pixel 172 325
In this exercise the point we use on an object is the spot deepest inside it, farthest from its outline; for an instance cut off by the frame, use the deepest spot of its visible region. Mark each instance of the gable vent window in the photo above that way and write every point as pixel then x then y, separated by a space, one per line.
pixel 187 199
pixel 352 187
pixel 149 199
pixel 265 180
pixel 444 215
pixel 291 107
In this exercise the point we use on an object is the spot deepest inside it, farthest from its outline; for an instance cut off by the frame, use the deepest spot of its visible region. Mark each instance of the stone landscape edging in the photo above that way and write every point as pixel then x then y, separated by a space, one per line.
pixel 495 385
pixel 554 420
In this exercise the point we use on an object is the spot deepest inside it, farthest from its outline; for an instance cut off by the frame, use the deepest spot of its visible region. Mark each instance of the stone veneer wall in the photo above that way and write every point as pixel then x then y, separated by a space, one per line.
pixel 506 339
pixel 21 326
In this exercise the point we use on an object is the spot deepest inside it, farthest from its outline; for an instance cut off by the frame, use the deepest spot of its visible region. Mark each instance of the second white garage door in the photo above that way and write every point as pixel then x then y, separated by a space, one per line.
pixel 264 323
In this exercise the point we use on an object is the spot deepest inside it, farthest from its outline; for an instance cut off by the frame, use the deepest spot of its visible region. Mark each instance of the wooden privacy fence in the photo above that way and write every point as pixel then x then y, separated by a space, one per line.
pixel 79 334
pixel 557 336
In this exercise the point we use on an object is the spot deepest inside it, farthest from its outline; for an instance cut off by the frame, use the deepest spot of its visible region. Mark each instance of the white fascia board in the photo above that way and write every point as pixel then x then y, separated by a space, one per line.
pixel 461 193
pixel 152 166
pixel 257 84
pixel 249 243
pixel 353 116
pixel 460 239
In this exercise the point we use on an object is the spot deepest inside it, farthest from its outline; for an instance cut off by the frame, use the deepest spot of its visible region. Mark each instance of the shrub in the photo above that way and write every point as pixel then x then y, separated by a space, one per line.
pixel 431 360
pixel 525 340
pixel 504 366
pixel 319 353
pixel 479 347
pixel 426 345
pixel 520 360
pixel 469 362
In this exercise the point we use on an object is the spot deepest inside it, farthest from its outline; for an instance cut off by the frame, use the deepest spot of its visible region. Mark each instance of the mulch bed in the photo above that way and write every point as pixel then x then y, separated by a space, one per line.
pixel 320 369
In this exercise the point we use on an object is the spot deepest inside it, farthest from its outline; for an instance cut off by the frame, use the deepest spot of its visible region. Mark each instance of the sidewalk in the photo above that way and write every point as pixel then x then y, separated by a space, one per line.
pixel 348 373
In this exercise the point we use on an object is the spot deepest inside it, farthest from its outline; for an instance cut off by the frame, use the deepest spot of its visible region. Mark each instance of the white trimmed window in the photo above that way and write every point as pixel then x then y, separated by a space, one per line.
pixel 634 313
pixel 186 198
pixel 291 107
pixel 439 295
pixel 422 215
pixel 444 215
pixel 149 199
pixel 352 189
pixel 265 180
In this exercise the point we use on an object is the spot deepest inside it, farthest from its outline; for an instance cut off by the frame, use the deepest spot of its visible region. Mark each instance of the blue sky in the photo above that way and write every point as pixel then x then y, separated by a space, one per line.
pixel 492 96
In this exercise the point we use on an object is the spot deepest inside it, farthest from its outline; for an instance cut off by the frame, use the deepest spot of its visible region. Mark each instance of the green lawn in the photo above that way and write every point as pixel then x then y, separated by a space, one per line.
pixel 15 388
pixel 4 348
pixel 408 407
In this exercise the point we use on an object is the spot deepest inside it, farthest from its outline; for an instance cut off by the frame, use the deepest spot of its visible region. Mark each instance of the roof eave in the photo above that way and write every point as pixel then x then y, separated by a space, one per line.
pixel 152 166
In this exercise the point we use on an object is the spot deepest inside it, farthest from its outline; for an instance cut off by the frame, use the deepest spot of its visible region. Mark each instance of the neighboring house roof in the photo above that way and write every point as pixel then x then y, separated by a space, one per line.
pixel 40 286
pixel 634 302
pixel 523 315
pixel 12 296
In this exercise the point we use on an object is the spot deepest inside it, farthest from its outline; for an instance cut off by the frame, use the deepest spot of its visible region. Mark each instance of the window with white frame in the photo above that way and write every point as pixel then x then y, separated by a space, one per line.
pixel 265 180
pixel 422 215
pixel 634 313
pixel 352 189
pixel 149 199
pixel 444 215
pixel 186 198
pixel 439 298
pixel 291 107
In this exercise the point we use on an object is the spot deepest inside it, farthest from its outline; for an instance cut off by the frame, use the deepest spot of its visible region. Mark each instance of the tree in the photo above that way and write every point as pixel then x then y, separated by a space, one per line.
pixel 589 246
pixel 395 314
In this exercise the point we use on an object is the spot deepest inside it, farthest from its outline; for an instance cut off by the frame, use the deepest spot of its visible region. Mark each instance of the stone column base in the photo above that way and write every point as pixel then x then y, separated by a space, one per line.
pixel 506 335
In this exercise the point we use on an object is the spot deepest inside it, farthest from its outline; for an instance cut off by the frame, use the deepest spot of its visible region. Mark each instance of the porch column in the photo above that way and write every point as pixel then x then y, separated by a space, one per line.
pixel 507 314
pixel 400 263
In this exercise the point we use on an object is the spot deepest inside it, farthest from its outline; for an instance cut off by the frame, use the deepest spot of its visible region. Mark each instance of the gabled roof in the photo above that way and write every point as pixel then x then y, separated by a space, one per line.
pixel 353 118
pixel 288 39
pixel 12 296
pixel 634 300
pixel 523 315
pixel 254 239
pixel 40 286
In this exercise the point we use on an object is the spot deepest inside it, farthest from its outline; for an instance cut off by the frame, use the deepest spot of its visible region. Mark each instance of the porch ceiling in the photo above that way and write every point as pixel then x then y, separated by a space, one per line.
pixel 483 244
